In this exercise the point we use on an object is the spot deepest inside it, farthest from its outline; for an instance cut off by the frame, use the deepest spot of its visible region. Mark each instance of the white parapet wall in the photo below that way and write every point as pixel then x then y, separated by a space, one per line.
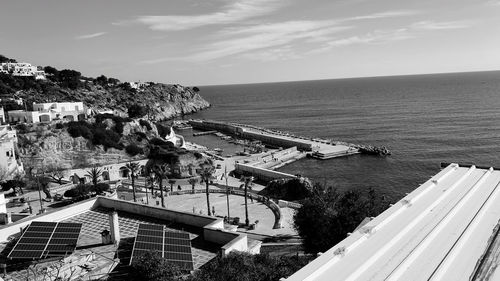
pixel 261 173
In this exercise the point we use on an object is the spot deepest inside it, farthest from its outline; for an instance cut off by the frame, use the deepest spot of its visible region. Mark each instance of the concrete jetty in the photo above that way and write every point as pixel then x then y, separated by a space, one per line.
pixel 317 148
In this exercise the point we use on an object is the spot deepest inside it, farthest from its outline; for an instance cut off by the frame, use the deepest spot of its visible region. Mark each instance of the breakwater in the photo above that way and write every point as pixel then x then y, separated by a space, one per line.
pixel 317 148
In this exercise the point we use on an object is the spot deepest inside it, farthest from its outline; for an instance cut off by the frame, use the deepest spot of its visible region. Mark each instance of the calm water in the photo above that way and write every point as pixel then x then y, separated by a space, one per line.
pixel 424 120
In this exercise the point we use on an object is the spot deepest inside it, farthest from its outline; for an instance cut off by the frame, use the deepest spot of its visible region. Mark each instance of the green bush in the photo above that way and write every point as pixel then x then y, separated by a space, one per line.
pixel 243 266
pixel 141 136
pixel 137 111
pixel 288 189
pixel 146 124
pixel 101 187
pixel 79 190
pixel 152 267
pixel 133 149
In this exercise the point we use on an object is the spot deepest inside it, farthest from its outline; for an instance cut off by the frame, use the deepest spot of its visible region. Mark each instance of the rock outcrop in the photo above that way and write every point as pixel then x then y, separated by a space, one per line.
pixel 163 101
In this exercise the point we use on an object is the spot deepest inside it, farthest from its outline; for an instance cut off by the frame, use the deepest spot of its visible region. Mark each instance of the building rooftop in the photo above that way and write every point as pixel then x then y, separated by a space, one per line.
pixel 96 220
pixel 93 258
pixel 446 229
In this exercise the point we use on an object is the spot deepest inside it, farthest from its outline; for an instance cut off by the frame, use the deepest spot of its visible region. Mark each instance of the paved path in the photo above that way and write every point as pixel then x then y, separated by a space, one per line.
pixel 198 203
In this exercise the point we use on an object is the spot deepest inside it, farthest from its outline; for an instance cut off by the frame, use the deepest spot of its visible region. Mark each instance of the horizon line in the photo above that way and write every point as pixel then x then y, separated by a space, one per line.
pixel 347 77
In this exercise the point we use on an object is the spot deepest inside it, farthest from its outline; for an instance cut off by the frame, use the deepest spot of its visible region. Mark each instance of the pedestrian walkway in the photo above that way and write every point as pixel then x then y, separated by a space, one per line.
pixel 197 203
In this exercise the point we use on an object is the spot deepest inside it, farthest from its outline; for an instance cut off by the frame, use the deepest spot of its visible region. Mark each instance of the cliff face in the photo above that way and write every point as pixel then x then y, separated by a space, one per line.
pixel 163 101
pixel 57 148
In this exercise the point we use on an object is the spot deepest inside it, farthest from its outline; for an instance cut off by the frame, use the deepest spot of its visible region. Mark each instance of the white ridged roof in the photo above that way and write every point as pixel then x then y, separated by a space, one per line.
pixel 438 232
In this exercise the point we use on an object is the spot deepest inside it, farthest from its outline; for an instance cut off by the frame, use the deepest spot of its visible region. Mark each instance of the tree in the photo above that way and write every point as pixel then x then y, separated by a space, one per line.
pixel 247 181
pixel 132 149
pixel 288 189
pixel 56 173
pixel 137 111
pixel 113 81
pixel 151 267
pixel 70 78
pixel 94 174
pixel 196 89
pixel 102 80
pixel 52 73
pixel 6 59
pixel 134 169
pixel 44 182
pixel 206 176
pixel 240 266
pixel 193 182
pixel 327 216
pixel 171 182
pixel 161 172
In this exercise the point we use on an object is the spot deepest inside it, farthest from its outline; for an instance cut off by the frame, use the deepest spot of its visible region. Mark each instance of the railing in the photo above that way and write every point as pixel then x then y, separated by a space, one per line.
pixel 266 200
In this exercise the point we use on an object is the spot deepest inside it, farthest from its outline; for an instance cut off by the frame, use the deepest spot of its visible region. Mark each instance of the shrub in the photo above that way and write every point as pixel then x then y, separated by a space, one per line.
pixel 162 130
pixel 146 124
pixel 141 136
pixel 22 128
pixel 152 267
pixel 101 187
pixel 79 190
pixel 137 111
pixel 289 189
pixel 133 149
pixel 59 126
pixel 244 266
pixel 198 155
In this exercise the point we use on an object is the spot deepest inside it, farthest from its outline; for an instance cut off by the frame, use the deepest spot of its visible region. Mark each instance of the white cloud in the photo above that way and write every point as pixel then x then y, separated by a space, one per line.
pixel 432 25
pixel 387 14
pixel 493 3
pixel 89 36
pixel 240 40
pixel 230 13
pixel 274 54
pixel 376 37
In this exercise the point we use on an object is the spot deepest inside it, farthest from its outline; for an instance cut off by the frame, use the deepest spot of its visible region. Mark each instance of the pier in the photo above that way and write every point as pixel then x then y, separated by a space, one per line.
pixel 204 133
pixel 317 148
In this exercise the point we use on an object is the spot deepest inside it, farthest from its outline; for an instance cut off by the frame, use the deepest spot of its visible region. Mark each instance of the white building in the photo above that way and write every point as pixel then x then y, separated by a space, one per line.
pixel 22 69
pixel 21 116
pixel 2 116
pixel 58 107
pixel 138 85
pixel 46 112
pixel 446 229
pixel 8 163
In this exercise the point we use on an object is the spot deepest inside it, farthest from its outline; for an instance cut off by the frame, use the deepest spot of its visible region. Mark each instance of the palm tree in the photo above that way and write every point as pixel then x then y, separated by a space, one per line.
pixel 193 182
pixel 206 175
pixel 134 169
pixel 94 173
pixel 247 180
pixel 161 172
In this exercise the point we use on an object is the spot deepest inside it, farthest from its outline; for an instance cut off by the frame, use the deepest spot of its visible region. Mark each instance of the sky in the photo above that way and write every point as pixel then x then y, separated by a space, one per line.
pixel 210 42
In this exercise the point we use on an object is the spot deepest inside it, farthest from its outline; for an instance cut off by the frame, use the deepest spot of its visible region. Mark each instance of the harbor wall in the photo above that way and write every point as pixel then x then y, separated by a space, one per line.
pixel 261 173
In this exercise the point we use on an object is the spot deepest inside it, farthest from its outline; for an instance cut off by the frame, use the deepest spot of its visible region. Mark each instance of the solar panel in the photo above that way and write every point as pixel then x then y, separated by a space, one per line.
pixel 175 247
pixel 43 239
pixel 43 223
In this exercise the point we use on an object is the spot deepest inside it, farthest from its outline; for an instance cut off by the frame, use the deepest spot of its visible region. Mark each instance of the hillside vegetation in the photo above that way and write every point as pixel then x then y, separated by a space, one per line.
pixel 162 101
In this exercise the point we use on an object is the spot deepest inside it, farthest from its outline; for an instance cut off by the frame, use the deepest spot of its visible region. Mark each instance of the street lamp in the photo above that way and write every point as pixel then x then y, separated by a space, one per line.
pixel 152 182
pixel 227 193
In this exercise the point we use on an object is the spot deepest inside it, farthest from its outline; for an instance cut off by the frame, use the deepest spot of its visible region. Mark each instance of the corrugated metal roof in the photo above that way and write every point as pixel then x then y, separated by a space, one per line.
pixel 438 232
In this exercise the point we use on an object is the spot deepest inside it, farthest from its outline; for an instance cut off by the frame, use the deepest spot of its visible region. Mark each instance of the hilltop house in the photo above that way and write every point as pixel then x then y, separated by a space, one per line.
pixel 22 69
pixel 46 112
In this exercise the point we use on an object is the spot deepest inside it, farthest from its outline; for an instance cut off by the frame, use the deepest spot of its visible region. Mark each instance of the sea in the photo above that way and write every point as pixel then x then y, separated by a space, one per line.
pixel 424 120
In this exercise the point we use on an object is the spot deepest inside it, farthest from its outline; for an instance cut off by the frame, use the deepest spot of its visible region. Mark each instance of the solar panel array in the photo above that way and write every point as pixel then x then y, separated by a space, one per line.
pixel 46 239
pixel 175 247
